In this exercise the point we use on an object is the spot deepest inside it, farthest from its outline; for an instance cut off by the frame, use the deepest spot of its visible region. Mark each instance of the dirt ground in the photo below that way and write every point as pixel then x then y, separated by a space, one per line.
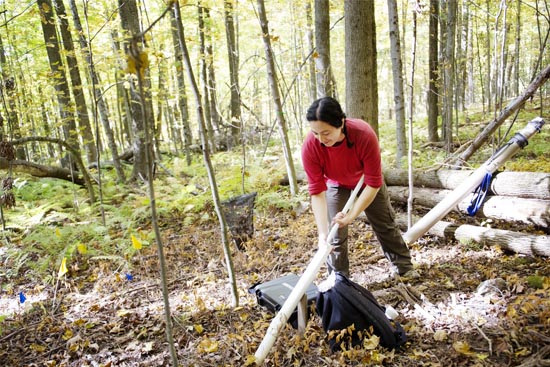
pixel 472 306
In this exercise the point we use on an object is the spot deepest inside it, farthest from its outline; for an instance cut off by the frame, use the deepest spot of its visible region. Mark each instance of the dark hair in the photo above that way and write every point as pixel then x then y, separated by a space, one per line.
pixel 328 110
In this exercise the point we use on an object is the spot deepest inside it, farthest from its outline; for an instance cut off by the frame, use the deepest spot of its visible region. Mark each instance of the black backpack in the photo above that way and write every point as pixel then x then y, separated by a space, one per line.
pixel 347 303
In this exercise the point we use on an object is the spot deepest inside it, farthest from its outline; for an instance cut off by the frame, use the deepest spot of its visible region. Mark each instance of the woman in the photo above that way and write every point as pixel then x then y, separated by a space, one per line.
pixel 335 153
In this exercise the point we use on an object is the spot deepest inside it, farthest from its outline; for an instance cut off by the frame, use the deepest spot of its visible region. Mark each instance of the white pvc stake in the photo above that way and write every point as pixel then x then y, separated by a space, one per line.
pixel 305 280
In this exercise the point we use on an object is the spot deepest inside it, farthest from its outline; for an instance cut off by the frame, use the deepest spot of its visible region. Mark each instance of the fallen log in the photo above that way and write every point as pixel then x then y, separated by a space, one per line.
pixel 535 185
pixel 75 154
pixel 528 211
pixel 39 170
pixel 520 243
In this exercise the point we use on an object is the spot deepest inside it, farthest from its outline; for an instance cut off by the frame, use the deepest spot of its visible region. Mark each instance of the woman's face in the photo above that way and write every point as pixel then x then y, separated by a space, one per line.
pixel 327 134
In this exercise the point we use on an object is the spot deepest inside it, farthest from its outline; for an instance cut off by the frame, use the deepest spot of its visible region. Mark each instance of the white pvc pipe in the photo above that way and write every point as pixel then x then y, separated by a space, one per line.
pixel 305 280
pixel 469 185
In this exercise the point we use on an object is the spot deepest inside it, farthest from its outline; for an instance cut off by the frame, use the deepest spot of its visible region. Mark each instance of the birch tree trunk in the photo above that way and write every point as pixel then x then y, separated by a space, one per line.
pixel 507 208
pixel 397 71
pixel 521 243
pixel 361 69
pixel 534 185
pixel 275 94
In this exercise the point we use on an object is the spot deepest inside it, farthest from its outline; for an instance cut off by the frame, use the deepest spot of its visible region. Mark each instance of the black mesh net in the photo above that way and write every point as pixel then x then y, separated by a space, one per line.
pixel 239 215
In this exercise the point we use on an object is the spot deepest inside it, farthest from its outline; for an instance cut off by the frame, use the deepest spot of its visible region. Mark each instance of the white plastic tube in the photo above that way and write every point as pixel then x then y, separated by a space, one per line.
pixel 305 280
pixel 467 186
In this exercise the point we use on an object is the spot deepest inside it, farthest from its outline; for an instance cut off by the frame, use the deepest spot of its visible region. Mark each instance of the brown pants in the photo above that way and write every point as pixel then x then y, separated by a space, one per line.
pixel 381 217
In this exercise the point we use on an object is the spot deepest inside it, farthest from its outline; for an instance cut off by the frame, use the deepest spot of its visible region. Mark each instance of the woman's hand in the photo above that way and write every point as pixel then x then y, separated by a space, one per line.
pixel 342 220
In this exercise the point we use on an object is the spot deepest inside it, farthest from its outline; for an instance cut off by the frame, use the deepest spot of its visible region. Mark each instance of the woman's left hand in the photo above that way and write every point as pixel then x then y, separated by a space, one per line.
pixel 341 219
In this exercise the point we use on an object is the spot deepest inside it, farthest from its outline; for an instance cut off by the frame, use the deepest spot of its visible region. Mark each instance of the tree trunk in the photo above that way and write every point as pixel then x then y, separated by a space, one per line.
pixel 182 96
pixel 515 77
pixel 76 83
pixel 520 243
pixel 504 114
pixel 433 73
pixel 75 155
pixel 488 89
pixel 410 127
pixel 312 83
pixel 462 57
pixel 233 58
pixel 203 72
pixel 124 133
pixel 100 102
pixel 397 71
pixel 129 18
pixel 9 93
pixel 325 78
pixel 211 79
pixel 39 170
pixel 163 91
pixel 60 82
pixel 533 185
pixel 361 70
pixel 527 211
pixel 449 75
pixel 275 94
pixel 501 62
pixel 207 161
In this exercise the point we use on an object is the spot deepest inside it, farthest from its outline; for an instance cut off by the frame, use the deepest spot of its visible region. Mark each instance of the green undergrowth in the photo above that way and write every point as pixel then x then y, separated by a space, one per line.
pixel 53 219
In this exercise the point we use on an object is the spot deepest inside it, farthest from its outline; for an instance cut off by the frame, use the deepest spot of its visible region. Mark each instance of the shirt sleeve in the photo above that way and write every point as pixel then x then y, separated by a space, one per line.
pixel 369 154
pixel 313 166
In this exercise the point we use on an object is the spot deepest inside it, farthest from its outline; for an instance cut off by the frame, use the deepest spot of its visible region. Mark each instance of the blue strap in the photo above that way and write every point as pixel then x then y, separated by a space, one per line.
pixel 479 194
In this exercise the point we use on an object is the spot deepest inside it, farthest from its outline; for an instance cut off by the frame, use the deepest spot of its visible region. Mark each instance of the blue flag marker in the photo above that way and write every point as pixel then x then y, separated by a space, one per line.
pixel 22 297
pixel 129 277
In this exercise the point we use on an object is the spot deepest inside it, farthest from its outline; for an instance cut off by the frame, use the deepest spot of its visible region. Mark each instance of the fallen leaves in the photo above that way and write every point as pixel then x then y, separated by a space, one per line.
pixel 114 321
pixel 208 345
pixel 465 349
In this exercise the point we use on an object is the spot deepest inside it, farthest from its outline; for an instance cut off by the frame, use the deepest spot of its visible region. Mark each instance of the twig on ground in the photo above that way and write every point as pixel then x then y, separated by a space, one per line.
pixel 489 341
pixel 540 359
pixel 408 294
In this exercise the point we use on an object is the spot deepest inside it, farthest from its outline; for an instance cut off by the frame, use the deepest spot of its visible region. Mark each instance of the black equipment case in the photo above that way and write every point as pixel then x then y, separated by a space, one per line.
pixel 274 293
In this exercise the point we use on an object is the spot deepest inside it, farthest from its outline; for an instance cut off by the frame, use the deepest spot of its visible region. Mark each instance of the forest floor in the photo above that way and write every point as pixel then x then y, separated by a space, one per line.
pixel 103 314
